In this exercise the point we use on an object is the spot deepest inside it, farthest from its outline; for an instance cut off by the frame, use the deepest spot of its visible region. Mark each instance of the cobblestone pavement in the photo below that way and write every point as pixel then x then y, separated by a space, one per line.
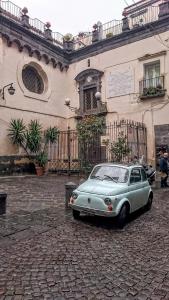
pixel 45 254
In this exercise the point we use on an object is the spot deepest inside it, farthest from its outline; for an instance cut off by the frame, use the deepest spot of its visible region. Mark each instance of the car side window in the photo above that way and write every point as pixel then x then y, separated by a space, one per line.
pixel 144 176
pixel 135 176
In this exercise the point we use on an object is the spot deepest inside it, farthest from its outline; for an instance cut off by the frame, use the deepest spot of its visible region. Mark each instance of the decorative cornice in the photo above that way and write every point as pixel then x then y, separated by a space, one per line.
pixel 43 48
pixel 153 55
pixel 14 33
pixel 88 72
pixel 125 38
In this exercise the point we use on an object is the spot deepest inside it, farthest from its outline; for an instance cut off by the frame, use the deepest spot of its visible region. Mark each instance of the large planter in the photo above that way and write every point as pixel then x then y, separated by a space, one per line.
pixel 39 170
pixel 68 45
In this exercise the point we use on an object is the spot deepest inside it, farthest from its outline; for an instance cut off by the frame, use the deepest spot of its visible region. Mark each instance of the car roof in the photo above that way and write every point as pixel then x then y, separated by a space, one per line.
pixel 122 165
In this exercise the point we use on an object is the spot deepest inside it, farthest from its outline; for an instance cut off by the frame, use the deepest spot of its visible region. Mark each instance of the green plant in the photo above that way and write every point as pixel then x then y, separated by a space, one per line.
pixel 51 135
pixel 17 133
pixel 150 91
pixel 89 129
pixel 109 35
pixel 68 37
pixel 32 138
pixel 89 126
pixel 120 149
pixel 41 159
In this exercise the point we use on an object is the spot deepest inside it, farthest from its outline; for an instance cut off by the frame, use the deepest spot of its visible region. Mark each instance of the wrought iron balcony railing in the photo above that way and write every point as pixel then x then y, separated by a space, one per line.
pixel 105 31
pixel 100 110
pixel 152 87
pixel 14 12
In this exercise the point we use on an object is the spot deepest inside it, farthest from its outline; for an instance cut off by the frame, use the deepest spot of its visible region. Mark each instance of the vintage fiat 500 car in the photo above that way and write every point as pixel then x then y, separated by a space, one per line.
pixel 113 191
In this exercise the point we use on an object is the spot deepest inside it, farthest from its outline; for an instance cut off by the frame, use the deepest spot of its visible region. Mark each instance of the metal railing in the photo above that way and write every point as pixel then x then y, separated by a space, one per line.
pixel 109 29
pixel 11 10
pixel 152 87
pixel 37 25
pixel 67 154
pixel 114 27
pixel 14 12
pixel 57 38
pixel 144 16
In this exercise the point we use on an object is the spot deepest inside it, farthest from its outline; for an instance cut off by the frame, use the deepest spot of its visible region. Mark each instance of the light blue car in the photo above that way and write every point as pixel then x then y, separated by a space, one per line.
pixel 113 190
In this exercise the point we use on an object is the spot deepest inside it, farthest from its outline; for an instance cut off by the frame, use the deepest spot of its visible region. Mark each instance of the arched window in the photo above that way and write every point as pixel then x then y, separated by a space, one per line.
pixel 32 80
pixel 89 82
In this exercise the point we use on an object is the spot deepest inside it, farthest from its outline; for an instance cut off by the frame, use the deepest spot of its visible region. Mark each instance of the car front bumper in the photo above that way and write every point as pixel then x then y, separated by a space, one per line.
pixel 94 212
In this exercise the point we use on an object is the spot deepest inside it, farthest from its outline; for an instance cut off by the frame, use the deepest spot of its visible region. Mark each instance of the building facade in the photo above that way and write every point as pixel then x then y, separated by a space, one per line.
pixel 126 61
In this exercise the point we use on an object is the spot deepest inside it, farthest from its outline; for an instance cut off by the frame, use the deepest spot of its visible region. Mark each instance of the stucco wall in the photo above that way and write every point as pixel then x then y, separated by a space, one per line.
pixel 129 106
pixel 48 108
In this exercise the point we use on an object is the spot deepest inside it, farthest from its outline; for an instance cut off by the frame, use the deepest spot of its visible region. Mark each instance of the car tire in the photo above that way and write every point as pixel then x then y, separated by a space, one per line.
pixel 122 216
pixel 76 214
pixel 149 203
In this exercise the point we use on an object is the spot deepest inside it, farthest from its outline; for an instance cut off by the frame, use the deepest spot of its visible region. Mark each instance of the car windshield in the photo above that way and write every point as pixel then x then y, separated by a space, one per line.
pixel 113 173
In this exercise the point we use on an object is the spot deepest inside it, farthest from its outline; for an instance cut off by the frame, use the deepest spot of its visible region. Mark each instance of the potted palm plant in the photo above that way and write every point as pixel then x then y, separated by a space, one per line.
pixel 33 140
pixel 41 161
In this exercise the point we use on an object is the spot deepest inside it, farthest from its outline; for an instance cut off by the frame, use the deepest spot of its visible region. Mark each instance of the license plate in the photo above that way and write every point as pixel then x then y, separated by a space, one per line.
pixel 88 212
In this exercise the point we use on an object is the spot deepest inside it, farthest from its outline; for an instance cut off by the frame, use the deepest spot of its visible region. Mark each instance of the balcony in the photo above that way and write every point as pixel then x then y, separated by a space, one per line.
pixel 99 31
pixel 101 110
pixel 152 87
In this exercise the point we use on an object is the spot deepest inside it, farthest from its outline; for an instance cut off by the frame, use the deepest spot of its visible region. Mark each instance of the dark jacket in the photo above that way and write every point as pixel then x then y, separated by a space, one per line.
pixel 164 165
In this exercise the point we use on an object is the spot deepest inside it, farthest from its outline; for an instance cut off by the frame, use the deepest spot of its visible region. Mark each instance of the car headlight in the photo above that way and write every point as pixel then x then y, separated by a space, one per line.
pixel 74 196
pixel 107 201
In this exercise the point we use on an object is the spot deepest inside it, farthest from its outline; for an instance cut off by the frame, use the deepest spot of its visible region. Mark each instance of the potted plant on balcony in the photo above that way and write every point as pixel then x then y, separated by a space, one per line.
pixel 109 35
pixel 149 91
pixel 153 91
pixel 33 140
pixel 68 42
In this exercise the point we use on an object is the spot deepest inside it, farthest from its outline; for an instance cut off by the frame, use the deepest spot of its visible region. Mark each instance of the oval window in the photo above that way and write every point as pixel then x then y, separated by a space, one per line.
pixel 32 80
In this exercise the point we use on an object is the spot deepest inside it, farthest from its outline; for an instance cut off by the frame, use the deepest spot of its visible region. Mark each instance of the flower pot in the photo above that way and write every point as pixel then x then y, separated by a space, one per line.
pixel 39 171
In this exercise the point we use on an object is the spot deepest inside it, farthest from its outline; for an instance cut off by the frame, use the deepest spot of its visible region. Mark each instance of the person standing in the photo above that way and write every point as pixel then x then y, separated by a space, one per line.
pixel 164 169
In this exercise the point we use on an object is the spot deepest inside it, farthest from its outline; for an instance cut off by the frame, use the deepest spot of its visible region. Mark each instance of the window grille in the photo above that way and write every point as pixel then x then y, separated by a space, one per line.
pixel 32 80
pixel 90 101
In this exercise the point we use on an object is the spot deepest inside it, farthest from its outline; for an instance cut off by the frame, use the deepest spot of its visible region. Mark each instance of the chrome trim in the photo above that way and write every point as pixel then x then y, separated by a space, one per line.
pixel 92 211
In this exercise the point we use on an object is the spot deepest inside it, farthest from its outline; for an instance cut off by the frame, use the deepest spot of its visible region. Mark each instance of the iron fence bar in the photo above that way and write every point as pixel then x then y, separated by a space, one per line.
pixel 69 153
pixel 68 150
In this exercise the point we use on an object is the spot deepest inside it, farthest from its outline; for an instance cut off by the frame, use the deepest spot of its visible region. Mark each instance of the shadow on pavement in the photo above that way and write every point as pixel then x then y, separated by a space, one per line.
pixel 109 223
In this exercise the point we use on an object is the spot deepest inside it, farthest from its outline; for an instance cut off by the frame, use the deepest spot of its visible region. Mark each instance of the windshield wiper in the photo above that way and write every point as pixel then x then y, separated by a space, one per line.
pixel 107 176
pixel 94 177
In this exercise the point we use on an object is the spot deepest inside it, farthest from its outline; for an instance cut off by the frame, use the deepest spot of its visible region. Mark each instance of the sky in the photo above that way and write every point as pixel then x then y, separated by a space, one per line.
pixel 74 16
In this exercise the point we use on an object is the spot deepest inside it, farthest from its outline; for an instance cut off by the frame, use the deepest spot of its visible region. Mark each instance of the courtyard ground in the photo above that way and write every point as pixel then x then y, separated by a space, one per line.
pixel 45 254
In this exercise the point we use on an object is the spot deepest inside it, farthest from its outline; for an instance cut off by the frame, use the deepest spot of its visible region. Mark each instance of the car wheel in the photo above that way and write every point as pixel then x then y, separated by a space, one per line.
pixel 76 214
pixel 149 202
pixel 122 217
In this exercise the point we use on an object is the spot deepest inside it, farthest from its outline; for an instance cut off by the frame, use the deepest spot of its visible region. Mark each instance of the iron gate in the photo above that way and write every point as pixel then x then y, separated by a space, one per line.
pixel 66 154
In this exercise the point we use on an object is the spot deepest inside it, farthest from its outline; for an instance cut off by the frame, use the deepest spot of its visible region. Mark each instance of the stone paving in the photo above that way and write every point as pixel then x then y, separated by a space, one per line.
pixel 45 254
